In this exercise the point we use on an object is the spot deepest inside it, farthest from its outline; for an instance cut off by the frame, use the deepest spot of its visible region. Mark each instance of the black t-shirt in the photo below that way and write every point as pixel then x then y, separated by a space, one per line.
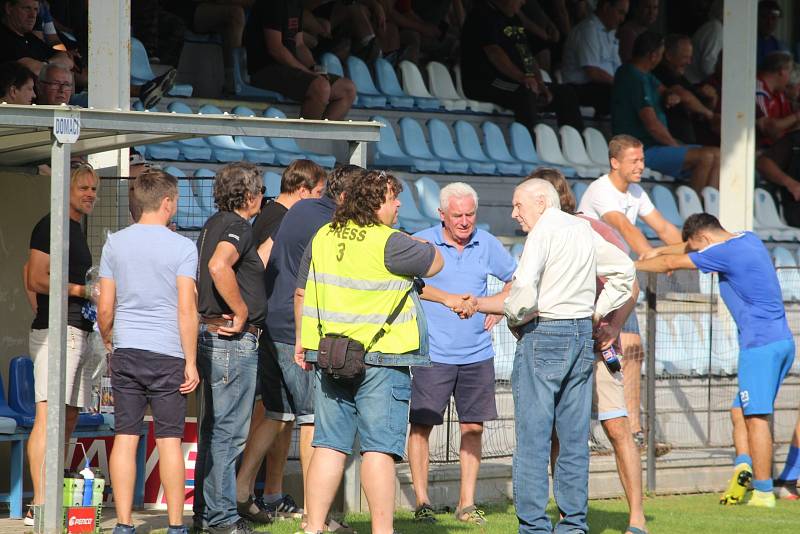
pixel 285 16
pixel 485 25
pixel 14 46
pixel 268 221
pixel 679 121
pixel 230 227
pixel 80 261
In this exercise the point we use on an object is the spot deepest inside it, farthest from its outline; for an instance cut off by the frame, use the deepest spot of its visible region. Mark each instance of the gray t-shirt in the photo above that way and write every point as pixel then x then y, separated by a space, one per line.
pixel 145 262
pixel 403 256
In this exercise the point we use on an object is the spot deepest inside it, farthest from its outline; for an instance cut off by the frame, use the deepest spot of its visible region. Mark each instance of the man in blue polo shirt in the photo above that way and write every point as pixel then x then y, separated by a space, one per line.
pixel 460 347
pixel 749 286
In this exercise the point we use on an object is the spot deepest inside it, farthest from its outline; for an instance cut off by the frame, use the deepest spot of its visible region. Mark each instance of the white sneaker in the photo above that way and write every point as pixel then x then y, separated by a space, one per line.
pixel 29 520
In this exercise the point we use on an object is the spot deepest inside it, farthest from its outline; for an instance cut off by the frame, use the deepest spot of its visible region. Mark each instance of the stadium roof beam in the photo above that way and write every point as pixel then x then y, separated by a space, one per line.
pixel 29 134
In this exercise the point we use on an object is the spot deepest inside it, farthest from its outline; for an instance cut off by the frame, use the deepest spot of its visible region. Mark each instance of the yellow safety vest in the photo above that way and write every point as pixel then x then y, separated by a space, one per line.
pixel 355 293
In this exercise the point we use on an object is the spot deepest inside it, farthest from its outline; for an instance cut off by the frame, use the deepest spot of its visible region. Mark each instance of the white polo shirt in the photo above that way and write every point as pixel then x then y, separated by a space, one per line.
pixel 589 44
pixel 602 197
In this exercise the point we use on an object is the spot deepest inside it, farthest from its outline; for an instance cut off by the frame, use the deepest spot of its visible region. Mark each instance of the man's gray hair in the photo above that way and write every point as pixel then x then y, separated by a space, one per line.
pixel 456 190
pixel 536 187
pixel 44 73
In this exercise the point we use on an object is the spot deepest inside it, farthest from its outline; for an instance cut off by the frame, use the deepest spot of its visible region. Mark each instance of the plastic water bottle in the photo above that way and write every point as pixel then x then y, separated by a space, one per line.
pixel 88 485
pixel 611 360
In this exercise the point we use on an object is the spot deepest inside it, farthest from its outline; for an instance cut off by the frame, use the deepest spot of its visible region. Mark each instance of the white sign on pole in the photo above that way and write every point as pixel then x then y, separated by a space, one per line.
pixel 67 126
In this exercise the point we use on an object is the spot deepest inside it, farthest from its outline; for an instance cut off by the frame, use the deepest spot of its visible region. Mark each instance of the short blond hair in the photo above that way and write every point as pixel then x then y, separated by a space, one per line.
pixel 621 142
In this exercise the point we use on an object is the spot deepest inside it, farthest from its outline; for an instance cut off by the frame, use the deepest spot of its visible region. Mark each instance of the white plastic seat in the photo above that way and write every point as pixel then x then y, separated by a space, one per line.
pixel 788 275
pixel 414 85
pixel 688 201
pixel 442 87
pixel 711 200
pixel 665 202
pixel 547 146
pixel 474 105
pixel 574 152
pixel 767 221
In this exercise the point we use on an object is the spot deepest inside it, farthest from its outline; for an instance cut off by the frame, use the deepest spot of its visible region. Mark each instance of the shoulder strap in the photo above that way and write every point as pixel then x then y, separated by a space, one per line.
pixel 389 320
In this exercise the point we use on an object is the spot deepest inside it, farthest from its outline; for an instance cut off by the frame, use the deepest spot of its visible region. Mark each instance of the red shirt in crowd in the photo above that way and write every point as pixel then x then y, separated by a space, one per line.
pixel 770 104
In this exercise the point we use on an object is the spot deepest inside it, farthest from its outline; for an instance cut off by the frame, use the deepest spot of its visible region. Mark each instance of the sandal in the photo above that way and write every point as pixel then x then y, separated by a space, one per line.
pixel 331 525
pixel 424 514
pixel 471 514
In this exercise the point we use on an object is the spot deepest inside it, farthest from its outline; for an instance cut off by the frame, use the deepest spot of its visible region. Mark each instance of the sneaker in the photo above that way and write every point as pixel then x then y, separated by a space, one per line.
pixel 29 520
pixel 251 511
pixel 738 485
pixel 124 529
pixel 786 490
pixel 242 526
pixel 151 92
pixel 471 514
pixel 284 507
pixel 763 499
pixel 424 514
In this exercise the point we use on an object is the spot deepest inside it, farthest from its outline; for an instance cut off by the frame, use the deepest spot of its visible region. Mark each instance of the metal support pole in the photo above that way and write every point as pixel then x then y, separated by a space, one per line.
pixel 650 403
pixel 56 338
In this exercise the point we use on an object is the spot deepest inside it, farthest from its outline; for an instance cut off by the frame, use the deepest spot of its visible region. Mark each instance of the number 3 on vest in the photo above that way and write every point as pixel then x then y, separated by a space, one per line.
pixel 340 254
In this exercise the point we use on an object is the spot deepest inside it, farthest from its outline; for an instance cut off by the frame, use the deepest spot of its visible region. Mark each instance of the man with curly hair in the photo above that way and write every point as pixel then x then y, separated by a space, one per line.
pixel 231 306
pixel 356 281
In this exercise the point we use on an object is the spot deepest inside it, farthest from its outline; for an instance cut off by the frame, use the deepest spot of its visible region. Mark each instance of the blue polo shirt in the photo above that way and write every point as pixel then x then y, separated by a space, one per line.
pixel 749 286
pixel 461 341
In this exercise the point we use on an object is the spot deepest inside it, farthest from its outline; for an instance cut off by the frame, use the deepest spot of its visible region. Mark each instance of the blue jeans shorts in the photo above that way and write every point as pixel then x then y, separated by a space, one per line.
pixel 668 159
pixel 761 372
pixel 287 391
pixel 374 407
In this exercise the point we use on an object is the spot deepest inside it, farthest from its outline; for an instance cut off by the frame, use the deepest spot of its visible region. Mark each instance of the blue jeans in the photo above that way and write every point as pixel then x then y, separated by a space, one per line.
pixel 228 368
pixel 552 388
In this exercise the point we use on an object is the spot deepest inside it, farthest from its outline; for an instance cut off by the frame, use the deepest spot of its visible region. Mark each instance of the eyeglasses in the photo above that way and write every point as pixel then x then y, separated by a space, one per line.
pixel 62 86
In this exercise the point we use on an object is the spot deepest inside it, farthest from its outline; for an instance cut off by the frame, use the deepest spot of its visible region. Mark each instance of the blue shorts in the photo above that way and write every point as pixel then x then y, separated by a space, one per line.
pixel 287 391
pixel 374 407
pixel 631 325
pixel 761 371
pixel 668 159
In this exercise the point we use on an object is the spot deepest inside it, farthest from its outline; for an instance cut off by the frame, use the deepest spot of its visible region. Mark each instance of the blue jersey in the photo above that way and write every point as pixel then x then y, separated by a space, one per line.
pixel 749 286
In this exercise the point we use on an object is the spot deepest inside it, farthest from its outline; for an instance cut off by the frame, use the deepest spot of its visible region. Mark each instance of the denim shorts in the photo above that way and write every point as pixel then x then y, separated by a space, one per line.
pixel 668 159
pixel 287 391
pixel 761 372
pixel 631 325
pixel 374 407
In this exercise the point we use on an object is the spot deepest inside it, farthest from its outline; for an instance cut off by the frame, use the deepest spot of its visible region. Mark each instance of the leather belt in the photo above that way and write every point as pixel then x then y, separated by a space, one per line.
pixel 213 324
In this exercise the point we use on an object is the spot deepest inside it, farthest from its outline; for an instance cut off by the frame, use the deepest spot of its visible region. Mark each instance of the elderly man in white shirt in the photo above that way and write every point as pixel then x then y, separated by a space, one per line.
pixel 551 308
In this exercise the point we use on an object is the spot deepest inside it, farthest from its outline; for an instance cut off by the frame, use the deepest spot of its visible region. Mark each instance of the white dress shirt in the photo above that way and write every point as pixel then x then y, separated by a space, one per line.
pixel 556 276
pixel 589 44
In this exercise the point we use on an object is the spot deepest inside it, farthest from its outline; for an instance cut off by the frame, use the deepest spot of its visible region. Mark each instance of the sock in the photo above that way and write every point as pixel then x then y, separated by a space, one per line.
pixel 272 497
pixel 763 485
pixel 743 459
pixel 791 471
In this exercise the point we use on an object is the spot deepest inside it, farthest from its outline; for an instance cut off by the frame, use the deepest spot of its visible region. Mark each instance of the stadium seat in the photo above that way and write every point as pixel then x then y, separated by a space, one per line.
pixel 767 221
pixel 196 148
pixel 497 150
pixel 696 345
pixel 389 154
pixel 190 214
pixel 443 147
pixel 669 350
pixel 578 189
pixel 470 148
pixel 141 72
pixel 389 85
pixel 368 94
pixel 787 271
pixel 287 150
pixel 442 87
pixel 414 85
pixel 332 64
pixel 548 149
pixel 665 203
pixel 241 80
pixel 203 186
pixel 474 105
pixel 711 200
pixel 272 183
pixel 574 152
pixel 522 148
pixel 428 194
pixel 414 143
pixel 409 216
pixel 688 201
pixel 158 151
pixel 225 146
pixel 724 353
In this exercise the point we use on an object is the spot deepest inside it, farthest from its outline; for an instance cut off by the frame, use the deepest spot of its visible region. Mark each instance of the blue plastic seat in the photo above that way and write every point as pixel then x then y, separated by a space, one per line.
pixel 578 189
pixel 226 149
pixel 368 94
pixel 409 216
pixel 159 151
pixel 332 64
pixel 443 148
pixel 665 203
pixel 287 150
pixel 241 81
pixel 523 149
pixel 470 149
pixel 196 148
pixel 190 214
pixel 389 154
pixel 203 186
pixel 141 72
pixel 496 147
pixel 389 85
pixel 415 146
pixel 428 194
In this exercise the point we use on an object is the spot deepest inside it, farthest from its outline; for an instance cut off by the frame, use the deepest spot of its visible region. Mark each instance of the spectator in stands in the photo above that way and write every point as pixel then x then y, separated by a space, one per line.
pixel 55 85
pixel 766 345
pixel 618 200
pixel 777 126
pixel 497 66
pixel 77 378
pixel 405 29
pixel 644 15
pixel 343 27
pixel 279 60
pixel 160 31
pixel 591 55
pixel 460 349
pixel 45 28
pixel 147 296
pixel 544 38
pixel 638 110
pixel 608 399
pixel 230 288
pixel 16 84
pixel 17 41
pixel 301 179
pixel 691 113
pixel 551 303
pixel 359 250
pixel 707 46
pixel 769 13
pixel 290 241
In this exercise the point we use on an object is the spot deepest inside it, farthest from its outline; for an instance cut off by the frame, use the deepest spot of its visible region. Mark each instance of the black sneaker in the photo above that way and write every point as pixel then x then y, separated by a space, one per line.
pixel 242 526
pixel 285 507
pixel 251 511
pixel 151 92
pixel 424 514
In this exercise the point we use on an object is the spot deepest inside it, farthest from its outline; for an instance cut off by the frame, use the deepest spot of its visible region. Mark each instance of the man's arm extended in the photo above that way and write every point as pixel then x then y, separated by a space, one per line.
pixel 655 127
pixel 188 325
pixel 665 230
pixel 105 310
pixel 666 263
pixel 220 267
pixel 632 235
pixel 464 305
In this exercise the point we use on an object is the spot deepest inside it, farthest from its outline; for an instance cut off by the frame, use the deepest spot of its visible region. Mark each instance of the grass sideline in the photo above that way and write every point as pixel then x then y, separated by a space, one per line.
pixel 665 514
